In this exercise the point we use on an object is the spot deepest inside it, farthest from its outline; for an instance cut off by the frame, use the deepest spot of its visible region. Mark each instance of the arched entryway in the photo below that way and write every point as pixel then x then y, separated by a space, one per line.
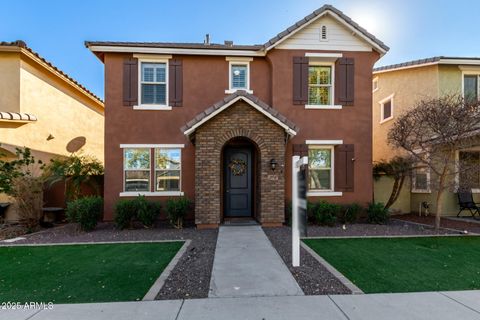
pixel 240 158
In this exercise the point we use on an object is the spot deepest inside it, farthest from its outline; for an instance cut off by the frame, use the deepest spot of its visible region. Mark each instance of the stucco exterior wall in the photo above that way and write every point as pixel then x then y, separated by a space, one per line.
pixel 450 80
pixel 409 86
pixel 9 82
pixel 383 188
pixel 60 113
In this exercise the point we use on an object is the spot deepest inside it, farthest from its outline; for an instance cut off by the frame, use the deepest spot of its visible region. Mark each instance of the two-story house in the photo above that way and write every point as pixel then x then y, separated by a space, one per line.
pixel 396 89
pixel 219 123
pixel 46 110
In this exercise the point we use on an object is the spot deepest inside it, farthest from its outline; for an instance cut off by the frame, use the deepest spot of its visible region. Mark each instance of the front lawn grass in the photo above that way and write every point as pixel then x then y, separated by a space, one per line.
pixel 82 273
pixel 379 265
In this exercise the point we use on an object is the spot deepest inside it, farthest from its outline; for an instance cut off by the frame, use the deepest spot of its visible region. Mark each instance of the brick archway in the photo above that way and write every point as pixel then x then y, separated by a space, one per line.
pixel 239 120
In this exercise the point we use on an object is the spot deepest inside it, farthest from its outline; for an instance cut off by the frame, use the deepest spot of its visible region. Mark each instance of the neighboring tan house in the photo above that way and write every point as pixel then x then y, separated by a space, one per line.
pixel 219 123
pixel 396 89
pixel 44 109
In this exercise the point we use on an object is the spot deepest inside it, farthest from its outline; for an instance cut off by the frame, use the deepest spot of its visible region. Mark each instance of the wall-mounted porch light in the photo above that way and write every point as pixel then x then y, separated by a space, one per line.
pixel 273 164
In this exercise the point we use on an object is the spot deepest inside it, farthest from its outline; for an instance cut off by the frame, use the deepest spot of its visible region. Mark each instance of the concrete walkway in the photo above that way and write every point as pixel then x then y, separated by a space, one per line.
pixel 463 305
pixel 247 265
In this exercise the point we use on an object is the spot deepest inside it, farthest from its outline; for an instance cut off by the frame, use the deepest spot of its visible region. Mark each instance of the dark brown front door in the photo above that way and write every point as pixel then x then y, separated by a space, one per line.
pixel 238 182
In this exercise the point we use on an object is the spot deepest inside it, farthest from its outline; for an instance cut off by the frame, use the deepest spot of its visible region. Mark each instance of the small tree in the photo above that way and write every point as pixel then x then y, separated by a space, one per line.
pixel 398 168
pixel 432 132
pixel 76 171
pixel 17 180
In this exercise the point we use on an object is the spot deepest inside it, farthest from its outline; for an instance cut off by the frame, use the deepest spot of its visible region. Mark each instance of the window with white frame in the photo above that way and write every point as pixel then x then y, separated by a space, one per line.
pixel 471 86
pixel 136 169
pixel 375 84
pixel 153 83
pixel 386 109
pixel 421 179
pixel 238 74
pixel 469 170
pixel 167 169
pixel 320 168
pixel 320 84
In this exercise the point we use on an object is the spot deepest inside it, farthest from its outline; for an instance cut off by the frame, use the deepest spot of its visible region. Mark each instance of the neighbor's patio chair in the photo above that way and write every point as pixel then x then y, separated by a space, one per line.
pixel 465 201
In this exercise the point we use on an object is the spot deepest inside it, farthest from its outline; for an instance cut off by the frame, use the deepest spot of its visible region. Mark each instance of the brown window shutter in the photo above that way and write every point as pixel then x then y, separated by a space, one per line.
pixel 130 82
pixel 344 167
pixel 345 81
pixel 175 83
pixel 300 80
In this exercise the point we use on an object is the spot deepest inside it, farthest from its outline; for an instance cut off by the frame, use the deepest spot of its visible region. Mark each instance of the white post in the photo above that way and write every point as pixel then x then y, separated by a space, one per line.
pixel 295 230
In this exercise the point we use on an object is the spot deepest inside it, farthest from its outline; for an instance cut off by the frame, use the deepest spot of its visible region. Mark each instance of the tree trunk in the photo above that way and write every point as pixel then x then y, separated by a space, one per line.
pixel 441 189
pixel 393 194
pixel 397 188
pixel 438 209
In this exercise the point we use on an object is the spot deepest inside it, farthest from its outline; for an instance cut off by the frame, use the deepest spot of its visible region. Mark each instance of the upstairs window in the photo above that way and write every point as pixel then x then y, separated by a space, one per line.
pixel 375 85
pixel 471 87
pixel 238 74
pixel 153 83
pixel 320 85
pixel 386 109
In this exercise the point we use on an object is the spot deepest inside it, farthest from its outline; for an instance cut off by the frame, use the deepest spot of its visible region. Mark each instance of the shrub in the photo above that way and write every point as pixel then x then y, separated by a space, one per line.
pixel 147 211
pixel 176 211
pixel 125 212
pixel 349 213
pixel 377 213
pixel 85 211
pixel 128 210
pixel 326 213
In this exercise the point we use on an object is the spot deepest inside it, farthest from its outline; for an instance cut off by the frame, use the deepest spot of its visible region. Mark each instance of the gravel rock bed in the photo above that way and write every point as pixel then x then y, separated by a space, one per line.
pixel 393 228
pixel 312 276
pixel 189 279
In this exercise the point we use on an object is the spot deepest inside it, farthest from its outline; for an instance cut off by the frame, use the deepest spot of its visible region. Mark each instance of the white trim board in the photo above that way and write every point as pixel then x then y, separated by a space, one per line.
pixel 125 145
pixel 151 194
pixel 324 142
pixel 253 104
pixel 207 52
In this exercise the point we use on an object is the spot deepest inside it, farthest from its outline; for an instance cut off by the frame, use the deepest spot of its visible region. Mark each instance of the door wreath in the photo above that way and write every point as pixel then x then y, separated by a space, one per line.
pixel 238 167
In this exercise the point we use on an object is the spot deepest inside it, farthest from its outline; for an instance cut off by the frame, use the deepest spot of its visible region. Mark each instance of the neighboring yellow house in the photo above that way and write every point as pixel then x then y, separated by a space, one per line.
pixel 44 109
pixel 397 88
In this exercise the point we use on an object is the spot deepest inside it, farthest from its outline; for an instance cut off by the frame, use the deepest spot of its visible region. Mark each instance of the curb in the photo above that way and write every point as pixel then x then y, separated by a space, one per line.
pixel 433 227
pixel 344 280
pixel 83 243
pixel 158 284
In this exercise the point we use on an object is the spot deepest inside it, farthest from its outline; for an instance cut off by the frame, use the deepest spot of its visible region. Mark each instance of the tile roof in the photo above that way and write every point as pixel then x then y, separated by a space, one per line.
pixel 175 45
pixel 421 62
pixel 17 116
pixel 299 24
pixel 244 95
pixel 23 45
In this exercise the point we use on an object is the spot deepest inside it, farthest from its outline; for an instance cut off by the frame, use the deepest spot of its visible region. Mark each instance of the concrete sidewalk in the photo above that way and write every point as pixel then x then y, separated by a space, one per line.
pixel 247 265
pixel 463 305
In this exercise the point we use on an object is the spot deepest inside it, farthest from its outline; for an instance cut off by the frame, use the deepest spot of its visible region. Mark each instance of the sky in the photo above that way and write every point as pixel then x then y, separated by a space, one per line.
pixel 413 29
